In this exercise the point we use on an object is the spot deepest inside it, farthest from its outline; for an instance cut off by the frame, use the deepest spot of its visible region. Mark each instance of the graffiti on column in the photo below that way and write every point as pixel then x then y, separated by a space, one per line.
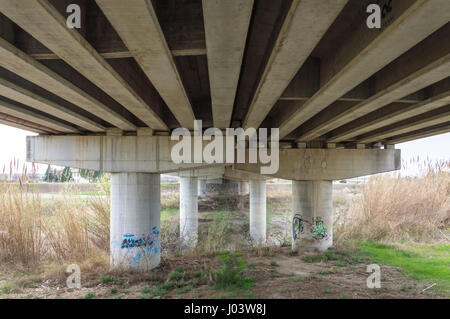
pixel 316 228
pixel 298 226
pixel 145 240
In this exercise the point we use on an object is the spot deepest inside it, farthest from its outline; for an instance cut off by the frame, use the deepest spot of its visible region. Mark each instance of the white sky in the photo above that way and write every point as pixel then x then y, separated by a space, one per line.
pixel 12 146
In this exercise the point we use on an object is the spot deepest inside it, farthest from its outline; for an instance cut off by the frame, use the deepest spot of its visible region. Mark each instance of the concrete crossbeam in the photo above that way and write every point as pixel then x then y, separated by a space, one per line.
pixel 226 27
pixel 43 21
pixel 305 23
pixel 152 154
pixel 368 52
pixel 137 24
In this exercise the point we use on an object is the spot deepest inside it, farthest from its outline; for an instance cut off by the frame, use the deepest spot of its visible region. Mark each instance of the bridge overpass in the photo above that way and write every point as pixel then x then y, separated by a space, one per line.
pixel 107 95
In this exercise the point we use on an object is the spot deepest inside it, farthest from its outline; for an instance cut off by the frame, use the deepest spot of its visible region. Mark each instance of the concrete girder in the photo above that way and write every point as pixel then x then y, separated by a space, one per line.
pixel 32 116
pixel 41 20
pixel 31 99
pixel 390 114
pixel 137 24
pixel 423 65
pixel 152 154
pixel 438 116
pixel 121 54
pixel 18 62
pixel 21 126
pixel 368 51
pixel 425 132
pixel 305 23
pixel 226 27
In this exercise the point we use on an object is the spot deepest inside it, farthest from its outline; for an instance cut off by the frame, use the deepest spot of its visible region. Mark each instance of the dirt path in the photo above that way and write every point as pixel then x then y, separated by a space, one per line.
pixel 278 275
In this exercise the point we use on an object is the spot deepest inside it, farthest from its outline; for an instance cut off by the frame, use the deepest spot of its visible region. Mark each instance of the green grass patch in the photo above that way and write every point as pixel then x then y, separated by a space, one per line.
pixel 424 262
pixel 109 279
pixel 229 276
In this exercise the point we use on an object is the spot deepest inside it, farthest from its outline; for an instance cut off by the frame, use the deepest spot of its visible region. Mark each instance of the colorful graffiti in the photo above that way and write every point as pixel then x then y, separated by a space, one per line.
pixel 145 240
pixel 316 228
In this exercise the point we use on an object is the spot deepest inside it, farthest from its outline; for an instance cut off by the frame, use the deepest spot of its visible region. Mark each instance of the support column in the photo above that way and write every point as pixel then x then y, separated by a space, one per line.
pixel 258 211
pixel 312 215
pixel 135 221
pixel 201 187
pixel 243 188
pixel 188 211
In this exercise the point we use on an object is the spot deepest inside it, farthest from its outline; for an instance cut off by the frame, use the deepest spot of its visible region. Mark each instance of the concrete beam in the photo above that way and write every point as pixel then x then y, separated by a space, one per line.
pixel 432 118
pixel 121 54
pixel 305 23
pixel 21 126
pixel 35 117
pixel 368 51
pixel 226 27
pixel 31 99
pixel 43 21
pixel 20 63
pixel 137 24
pixel 390 114
pixel 423 65
pixel 152 154
pixel 426 132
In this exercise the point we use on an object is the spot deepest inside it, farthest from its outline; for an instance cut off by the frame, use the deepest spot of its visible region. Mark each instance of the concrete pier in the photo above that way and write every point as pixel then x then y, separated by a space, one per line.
pixel 135 221
pixel 188 211
pixel 201 187
pixel 258 212
pixel 312 215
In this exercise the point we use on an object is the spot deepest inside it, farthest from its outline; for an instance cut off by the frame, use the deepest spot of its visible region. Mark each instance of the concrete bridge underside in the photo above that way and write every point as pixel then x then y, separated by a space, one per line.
pixel 107 96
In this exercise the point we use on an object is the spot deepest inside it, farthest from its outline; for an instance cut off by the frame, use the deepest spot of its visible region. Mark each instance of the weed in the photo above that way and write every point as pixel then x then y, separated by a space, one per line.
pixel 109 279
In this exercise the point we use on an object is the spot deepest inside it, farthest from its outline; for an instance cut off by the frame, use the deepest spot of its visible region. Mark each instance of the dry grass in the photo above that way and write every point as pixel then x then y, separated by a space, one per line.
pixel 34 230
pixel 395 209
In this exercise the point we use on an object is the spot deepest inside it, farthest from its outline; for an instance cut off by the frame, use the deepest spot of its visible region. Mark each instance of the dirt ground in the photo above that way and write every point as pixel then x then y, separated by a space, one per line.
pixel 288 277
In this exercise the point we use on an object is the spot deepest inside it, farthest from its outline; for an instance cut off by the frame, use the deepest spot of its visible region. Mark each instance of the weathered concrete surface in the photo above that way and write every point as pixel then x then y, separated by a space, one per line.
pixel 137 24
pixel 392 113
pixel 32 116
pixel 312 215
pixel 306 23
pixel 26 97
pixel 135 221
pixel 226 26
pixel 369 51
pixel 331 164
pixel 152 154
pixel 16 61
pixel 438 116
pixel 43 21
pixel 423 65
pixel 188 211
